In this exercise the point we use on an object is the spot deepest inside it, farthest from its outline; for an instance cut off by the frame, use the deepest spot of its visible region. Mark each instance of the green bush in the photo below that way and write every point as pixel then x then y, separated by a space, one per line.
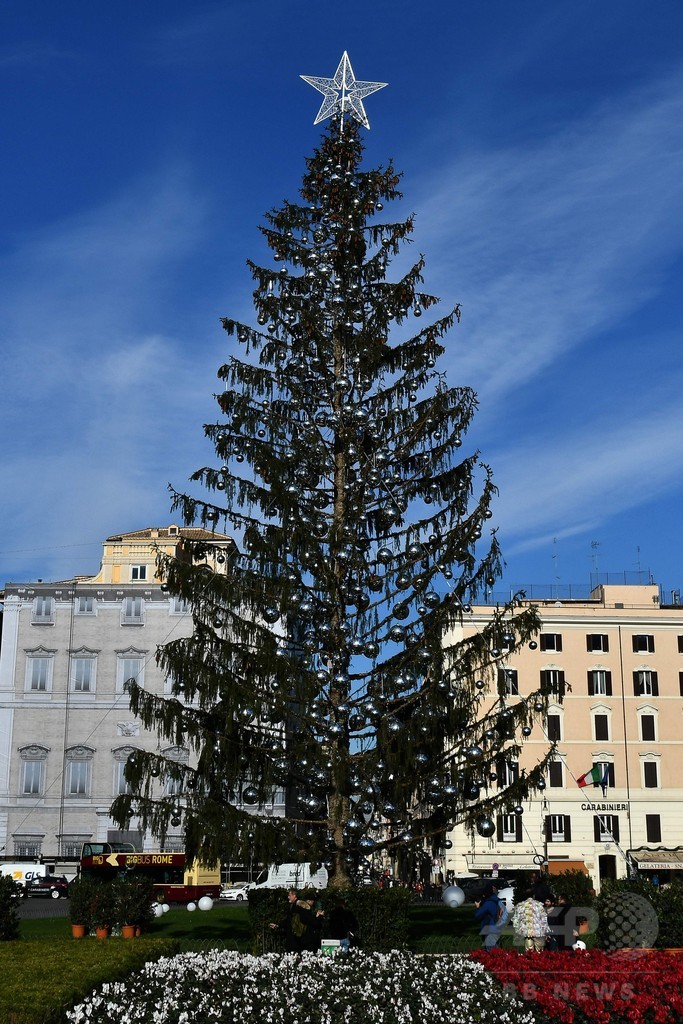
pixel 382 914
pixel 10 894
pixel 41 979
pixel 133 899
pixel 81 893
pixel 577 886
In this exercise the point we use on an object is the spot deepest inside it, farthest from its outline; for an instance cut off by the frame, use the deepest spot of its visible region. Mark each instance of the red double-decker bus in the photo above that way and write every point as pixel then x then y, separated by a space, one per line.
pixel 174 880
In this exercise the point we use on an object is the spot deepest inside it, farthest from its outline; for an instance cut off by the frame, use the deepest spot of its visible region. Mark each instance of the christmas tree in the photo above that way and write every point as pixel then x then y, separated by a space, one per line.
pixel 328 657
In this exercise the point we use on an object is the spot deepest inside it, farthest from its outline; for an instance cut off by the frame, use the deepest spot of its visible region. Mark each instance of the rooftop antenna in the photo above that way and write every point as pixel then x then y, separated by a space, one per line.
pixel 557 577
pixel 595 544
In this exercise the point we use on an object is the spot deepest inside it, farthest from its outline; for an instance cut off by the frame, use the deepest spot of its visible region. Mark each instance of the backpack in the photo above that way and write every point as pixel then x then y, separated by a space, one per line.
pixel 503 915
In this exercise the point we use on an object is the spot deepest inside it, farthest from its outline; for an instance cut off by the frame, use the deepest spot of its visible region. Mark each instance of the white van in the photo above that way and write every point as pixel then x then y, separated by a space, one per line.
pixel 293 876
pixel 23 872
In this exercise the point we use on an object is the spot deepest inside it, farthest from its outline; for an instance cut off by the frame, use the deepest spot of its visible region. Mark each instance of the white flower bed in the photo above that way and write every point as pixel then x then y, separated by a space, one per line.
pixel 231 988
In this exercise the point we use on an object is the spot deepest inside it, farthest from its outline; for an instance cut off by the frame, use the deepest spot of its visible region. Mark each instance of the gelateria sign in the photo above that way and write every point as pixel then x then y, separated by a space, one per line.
pixel 603 808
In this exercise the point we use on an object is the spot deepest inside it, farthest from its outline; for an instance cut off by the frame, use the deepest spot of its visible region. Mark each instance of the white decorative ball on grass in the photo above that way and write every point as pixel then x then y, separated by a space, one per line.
pixel 205 903
pixel 191 906
pixel 165 908
pixel 158 910
pixel 453 897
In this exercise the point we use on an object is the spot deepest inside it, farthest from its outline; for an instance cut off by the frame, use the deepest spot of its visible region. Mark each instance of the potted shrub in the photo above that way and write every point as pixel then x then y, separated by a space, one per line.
pixel 134 897
pixel 80 900
pixel 103 908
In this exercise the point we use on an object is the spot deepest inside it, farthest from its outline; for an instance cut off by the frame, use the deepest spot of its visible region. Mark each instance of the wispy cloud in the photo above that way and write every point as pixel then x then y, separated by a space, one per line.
pixel 570 484
pixel 99 400
pixel 551 247
pixel 546 244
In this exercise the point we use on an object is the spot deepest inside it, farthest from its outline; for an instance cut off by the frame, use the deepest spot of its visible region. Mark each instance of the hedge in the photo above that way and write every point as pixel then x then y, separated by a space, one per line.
pixel 382 915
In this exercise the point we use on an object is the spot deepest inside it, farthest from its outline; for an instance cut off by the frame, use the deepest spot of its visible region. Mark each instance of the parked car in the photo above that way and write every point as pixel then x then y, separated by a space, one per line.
pixel 237 893
pixel 474 890
pixel 54 886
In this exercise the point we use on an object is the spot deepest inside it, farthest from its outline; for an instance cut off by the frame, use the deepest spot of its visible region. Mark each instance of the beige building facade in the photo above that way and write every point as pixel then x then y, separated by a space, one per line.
pixel 616 662
pixel 66 729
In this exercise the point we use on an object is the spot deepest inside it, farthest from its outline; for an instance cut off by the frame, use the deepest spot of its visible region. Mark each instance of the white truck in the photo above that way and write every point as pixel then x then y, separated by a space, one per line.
pixel 293 876
pixel 23 872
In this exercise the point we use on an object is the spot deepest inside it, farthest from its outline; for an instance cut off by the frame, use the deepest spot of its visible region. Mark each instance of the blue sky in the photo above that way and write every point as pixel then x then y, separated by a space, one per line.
pixel 542 151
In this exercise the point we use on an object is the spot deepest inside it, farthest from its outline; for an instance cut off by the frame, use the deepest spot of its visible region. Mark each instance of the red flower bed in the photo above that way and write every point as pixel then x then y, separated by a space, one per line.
pixel 626 987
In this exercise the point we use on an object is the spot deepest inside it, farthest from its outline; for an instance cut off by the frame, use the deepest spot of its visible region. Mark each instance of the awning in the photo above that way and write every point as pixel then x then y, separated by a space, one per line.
pixel 556 867
pixel 658 860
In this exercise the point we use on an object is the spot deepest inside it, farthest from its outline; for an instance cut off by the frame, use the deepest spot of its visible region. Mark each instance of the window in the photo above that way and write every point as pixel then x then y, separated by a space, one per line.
pixel 554 728
pixel 508 682
pixel 552 681
pixel 653 828
pixel 77 778
pixel 43 612
pixel 179 606
pixel 83 675
pixel 680 683
pixel 680 644
pixel 647 727
pixel 181 756
pixel 38 673
pixel 555 775
pixel 32 778
pixel 508 773
pixel 132 611
pixel 606 828
pixel 129 667
pixel 645 683
pixel 121 755
pixel 599 683
pixel 28 846
pixel 509 828
pixel 606 768
pixel 551 641
pixel 597 642
pixel 71 846
pixel 84 605
pixel 558 828
pixel 601 727
pixel 650 775
pixel 138 572
pixel 643 643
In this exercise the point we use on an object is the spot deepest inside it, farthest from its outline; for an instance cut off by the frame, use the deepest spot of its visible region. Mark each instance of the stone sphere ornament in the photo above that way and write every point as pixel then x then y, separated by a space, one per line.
pixel 453 897
pixel 486 827
pixel 191 907
pixel 158 910
pixel 205 903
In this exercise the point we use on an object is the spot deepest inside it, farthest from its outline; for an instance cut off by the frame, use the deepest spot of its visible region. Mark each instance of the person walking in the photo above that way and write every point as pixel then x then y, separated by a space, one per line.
pixel 487 912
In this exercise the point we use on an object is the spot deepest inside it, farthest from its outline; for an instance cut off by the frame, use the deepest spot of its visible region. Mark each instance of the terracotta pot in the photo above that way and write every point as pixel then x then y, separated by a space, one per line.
pixel 78 931
pixel 102 933
pixel 128 931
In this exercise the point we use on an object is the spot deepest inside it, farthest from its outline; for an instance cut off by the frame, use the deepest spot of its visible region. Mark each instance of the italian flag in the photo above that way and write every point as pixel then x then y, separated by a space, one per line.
pixel 591 778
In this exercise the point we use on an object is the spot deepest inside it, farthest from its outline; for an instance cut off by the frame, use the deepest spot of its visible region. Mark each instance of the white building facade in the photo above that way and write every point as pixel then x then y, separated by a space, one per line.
pixel 66 729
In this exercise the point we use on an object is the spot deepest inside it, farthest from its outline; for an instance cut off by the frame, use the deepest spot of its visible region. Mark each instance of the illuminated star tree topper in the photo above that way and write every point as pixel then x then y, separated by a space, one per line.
pixel 343 93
